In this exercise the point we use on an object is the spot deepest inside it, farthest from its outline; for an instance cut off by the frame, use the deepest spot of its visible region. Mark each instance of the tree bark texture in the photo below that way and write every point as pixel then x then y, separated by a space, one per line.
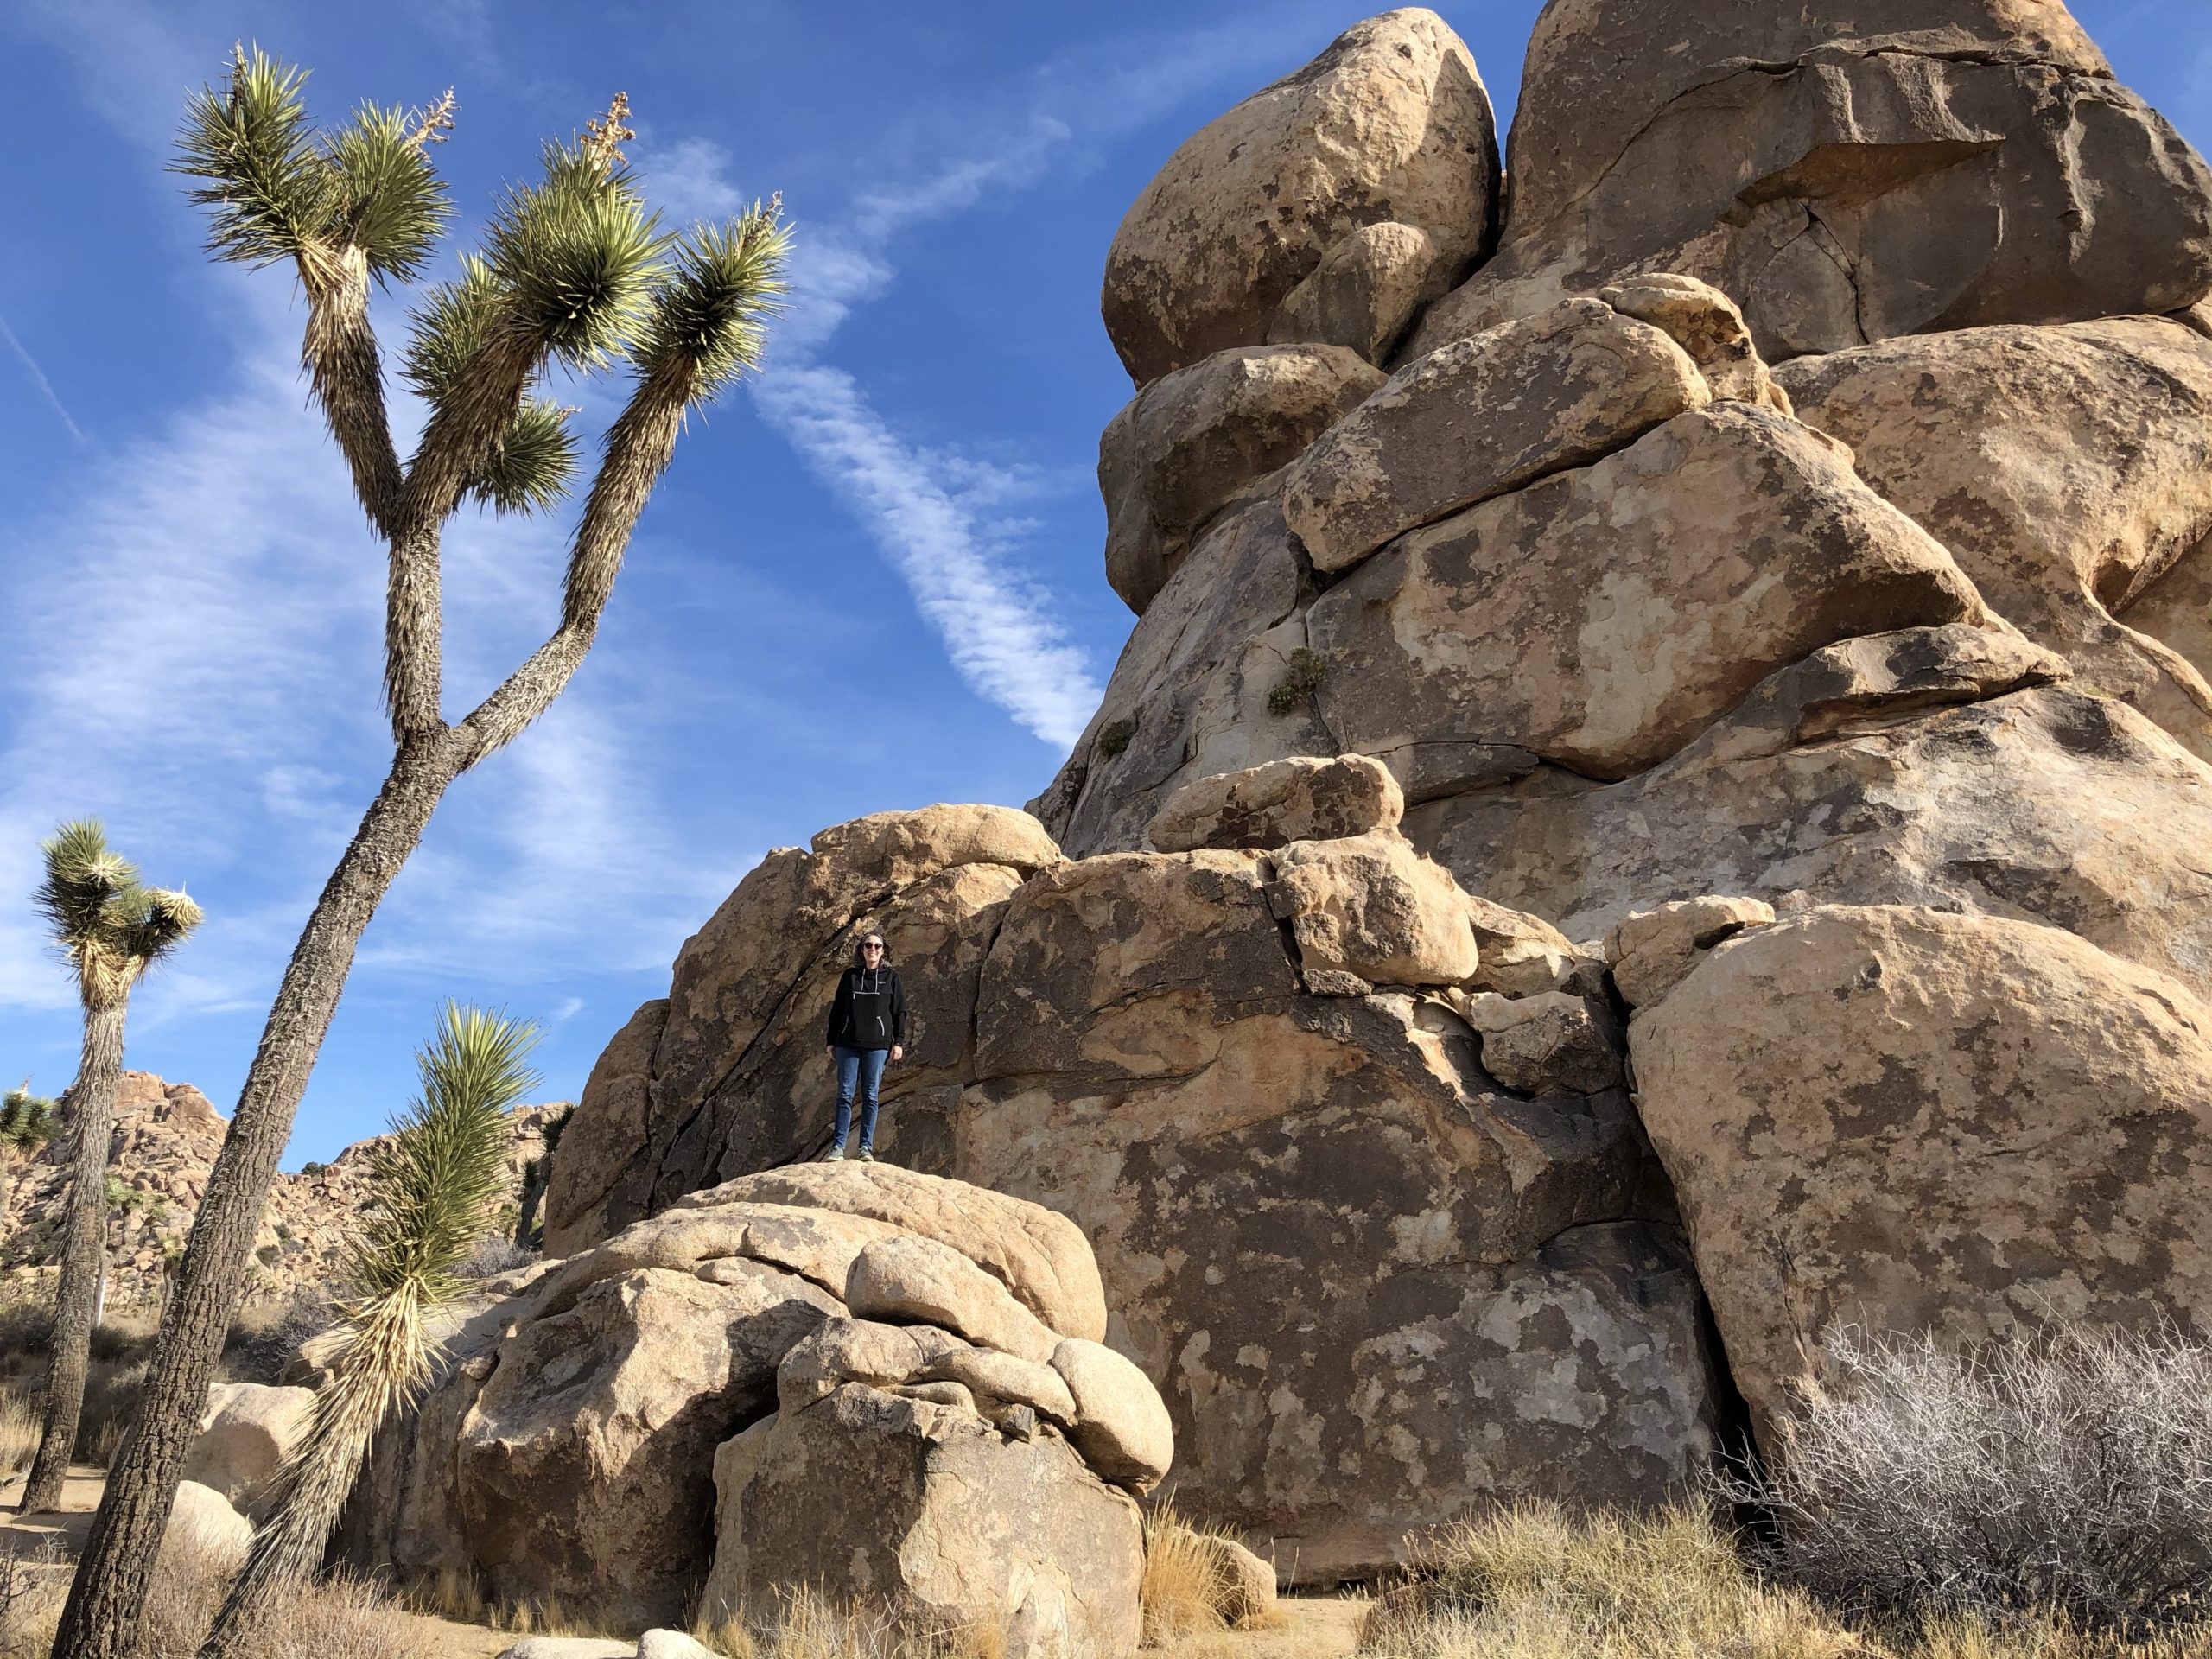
pixel 84 1242
pixel 110 1586
pixel 533 1190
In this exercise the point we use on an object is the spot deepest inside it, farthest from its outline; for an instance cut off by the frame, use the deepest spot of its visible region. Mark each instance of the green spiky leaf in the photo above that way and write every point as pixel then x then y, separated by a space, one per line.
pixel 434 1182
pixel 270 186
pixel 82 879
pixel 711 314
pixel 388 200
pixel 28 1121
pixel 154 923
pixel 536 463
pixel 575 257
pixel 450 327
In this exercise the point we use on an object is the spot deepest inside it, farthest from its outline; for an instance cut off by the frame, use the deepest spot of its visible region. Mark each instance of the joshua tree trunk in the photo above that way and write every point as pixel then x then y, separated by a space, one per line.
pixel 83 1240
pixel 533 1191
pixel 111 1581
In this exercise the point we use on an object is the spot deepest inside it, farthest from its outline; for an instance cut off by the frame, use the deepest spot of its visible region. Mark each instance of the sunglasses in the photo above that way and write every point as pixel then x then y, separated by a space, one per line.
pixel 871 946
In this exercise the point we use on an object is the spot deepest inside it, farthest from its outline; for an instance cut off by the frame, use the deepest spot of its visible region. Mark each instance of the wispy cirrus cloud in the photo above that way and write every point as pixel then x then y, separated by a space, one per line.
pixel 938 516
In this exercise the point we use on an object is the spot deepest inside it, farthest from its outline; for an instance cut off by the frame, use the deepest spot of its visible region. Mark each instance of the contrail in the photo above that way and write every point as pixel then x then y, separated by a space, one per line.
pixel 44 384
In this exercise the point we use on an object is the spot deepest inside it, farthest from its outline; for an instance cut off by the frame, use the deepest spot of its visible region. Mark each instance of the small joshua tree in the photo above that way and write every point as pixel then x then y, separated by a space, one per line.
pixel 431 1188
pixel 110 930
pixel 573 271
pixel 28 1121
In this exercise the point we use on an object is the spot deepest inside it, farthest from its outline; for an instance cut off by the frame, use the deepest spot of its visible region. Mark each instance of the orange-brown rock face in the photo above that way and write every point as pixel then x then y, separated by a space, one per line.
pixel 1745 642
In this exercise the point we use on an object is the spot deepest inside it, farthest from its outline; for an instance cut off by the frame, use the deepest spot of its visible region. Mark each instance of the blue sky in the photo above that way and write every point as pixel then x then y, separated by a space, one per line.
pixel 872 581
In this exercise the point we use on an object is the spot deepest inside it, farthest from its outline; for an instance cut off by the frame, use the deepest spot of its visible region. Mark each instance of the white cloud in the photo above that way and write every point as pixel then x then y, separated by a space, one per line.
pixel 1000 634
pixel 930 513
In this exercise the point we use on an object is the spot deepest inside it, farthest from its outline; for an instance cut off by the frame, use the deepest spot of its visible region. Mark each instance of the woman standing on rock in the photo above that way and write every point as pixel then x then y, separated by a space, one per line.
pixel 867 1026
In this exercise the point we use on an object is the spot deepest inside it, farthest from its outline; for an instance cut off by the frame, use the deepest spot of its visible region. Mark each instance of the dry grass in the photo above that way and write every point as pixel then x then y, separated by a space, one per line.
pixel 808 1625
pixel 337 1618
pixel 1537 1582
pixel 18 1434
pixel 112 1391
pixel 1185 1587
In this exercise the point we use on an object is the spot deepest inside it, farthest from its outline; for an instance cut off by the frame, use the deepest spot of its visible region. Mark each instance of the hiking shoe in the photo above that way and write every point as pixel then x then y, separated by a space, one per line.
pixel 866 1157
pixel 837 1155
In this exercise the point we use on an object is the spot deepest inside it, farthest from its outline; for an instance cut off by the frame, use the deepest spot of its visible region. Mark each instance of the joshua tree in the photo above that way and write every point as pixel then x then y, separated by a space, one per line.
pixel 110 930
pixel 28 1121
pixel 572 272
pixel 431 1188
pixel 536 1175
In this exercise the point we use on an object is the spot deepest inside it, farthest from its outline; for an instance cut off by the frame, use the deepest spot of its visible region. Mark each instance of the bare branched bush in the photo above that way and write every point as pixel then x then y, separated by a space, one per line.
pixel 495 1254
pixel 2070 1473
pixel 265 1333
pixel 32 1583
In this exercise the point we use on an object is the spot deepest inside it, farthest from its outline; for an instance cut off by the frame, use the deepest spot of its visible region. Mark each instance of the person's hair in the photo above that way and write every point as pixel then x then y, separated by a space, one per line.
pixel 860 960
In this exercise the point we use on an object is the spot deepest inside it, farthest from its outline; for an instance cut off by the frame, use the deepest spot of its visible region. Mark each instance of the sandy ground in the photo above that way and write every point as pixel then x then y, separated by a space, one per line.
pixel 1306 1628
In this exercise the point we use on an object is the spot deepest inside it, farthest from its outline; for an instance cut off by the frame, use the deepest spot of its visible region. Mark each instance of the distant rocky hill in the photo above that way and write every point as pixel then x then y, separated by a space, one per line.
pixel 166 1138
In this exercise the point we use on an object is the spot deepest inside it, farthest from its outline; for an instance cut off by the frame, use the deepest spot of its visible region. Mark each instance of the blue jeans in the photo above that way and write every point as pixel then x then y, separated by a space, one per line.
pixel 863 1067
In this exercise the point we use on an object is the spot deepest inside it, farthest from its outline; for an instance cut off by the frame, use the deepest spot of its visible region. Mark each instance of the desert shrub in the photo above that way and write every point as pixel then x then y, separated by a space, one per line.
pixel 333 1619
pixel 2071 1471
pixel 1538 1582
pixel 1304 669
pixel 266 1331
pixel 495 1253
pixel 1114 737
pixel 111 1391
pixel 124 1334
pixel 27 1318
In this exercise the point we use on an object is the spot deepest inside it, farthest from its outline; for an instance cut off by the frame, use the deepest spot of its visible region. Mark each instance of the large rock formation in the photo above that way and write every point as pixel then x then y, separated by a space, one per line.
pixel 873 1383
pixel 1827 739
pixel 1911 1119
pixel 1847 172
pixel 1246 1069
pixel 1292 190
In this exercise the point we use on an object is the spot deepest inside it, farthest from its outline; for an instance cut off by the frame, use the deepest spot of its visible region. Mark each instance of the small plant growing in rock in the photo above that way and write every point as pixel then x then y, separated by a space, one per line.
pixel 1303 671
pixel 431 1184
pixel 1114 737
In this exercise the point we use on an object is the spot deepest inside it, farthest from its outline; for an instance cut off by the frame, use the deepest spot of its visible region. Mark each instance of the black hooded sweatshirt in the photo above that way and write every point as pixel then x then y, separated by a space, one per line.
pixel 870 1011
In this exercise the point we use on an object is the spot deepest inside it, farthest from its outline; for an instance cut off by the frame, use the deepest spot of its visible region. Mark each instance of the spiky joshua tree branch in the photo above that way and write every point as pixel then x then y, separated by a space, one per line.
pixel 574 272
